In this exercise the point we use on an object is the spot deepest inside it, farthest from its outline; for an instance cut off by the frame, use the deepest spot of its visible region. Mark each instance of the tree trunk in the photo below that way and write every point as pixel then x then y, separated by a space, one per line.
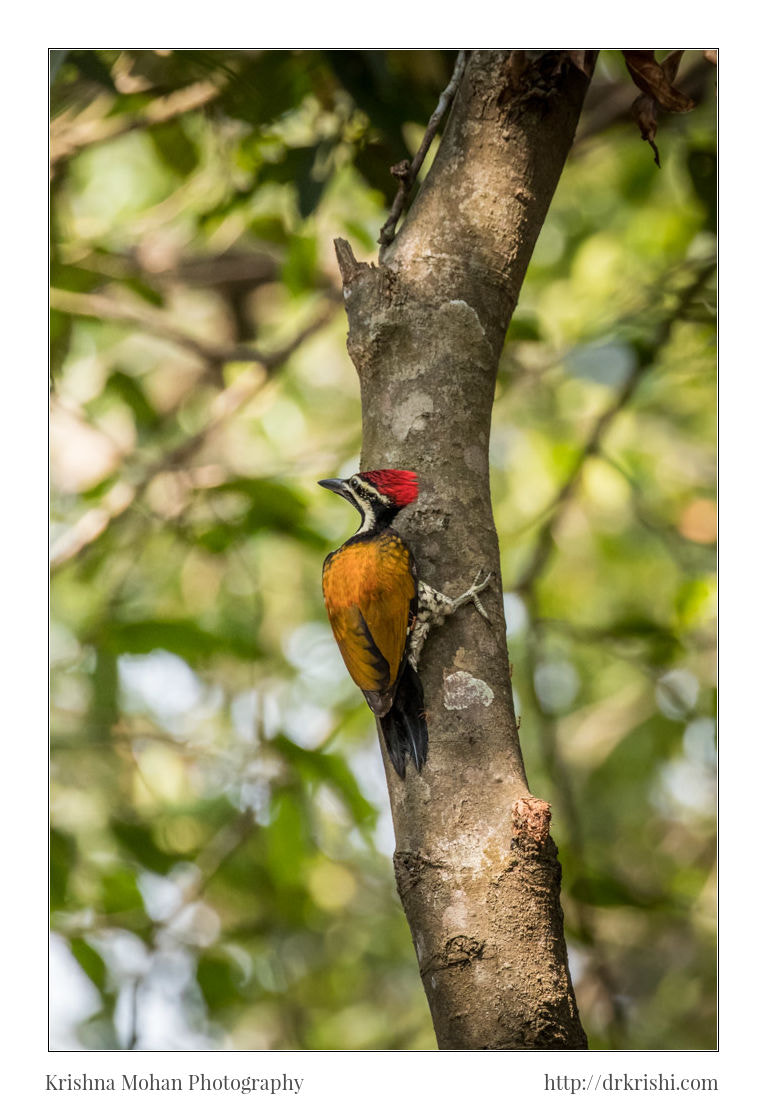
pixel 476 869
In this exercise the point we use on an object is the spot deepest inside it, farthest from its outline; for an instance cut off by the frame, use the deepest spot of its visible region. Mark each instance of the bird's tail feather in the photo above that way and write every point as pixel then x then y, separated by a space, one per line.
pixel 404 726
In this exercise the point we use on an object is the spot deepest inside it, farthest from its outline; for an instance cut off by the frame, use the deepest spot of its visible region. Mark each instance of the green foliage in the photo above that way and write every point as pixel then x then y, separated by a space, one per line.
pixel 219 815
pixel 90 961
pixel 63 854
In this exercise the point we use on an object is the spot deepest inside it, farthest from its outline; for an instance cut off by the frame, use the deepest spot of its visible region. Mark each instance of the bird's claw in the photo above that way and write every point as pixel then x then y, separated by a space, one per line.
pixel 476 588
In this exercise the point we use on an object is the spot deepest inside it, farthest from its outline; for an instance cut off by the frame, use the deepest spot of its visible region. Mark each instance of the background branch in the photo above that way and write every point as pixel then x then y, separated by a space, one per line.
pixel 645 362
pixel 156 322
pixel 70 138
pixel 407 172
pixel 229 402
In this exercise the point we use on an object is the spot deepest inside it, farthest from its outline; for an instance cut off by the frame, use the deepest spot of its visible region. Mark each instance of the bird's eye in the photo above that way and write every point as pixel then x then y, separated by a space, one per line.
pixel 354 483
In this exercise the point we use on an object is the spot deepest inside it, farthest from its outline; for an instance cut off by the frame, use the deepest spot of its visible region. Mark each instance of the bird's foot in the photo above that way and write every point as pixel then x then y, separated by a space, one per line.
pixel 472 594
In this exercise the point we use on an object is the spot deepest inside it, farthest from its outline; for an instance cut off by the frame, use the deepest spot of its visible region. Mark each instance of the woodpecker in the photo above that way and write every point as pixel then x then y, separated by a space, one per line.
pixel 381 614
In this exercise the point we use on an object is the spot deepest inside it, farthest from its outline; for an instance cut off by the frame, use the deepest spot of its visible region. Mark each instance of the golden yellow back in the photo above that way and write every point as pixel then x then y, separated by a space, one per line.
pixel 369 586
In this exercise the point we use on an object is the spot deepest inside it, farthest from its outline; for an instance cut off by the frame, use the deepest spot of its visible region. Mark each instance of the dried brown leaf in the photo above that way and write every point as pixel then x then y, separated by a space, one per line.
pixel 650 78
pixel 670 64
pixel 578 58
pixel 645 112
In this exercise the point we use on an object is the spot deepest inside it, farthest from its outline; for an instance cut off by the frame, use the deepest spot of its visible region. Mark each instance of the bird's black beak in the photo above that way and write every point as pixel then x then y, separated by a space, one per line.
pixel 337 485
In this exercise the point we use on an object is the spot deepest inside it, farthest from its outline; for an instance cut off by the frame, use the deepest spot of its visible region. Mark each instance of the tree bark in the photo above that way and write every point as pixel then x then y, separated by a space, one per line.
pixel 476 869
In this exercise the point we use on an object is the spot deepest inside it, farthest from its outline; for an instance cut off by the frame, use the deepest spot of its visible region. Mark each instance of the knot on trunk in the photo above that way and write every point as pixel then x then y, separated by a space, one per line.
pixel 347 263
pixel 462 950
pixel 530 819
pixel 456 952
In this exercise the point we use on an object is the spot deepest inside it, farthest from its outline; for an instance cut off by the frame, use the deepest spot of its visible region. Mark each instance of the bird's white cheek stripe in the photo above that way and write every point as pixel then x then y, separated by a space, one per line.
pixel 368 517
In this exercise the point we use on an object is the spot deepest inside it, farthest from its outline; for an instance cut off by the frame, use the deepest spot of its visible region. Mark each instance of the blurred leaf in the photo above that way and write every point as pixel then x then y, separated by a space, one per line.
pixel 104 706
pixel 132 103
pixel 288 839
pixel 137 840
pixel 523 328
pixel 182 637
pixel 174 147
pixel 267 86
pixel 628 765
pixel 219 979
pixel 82 279
pixel 374 161
pixel 93 64
pixel 130 390
pixel 299 268
pixel 269 229
pixel 390 90
pixel 296 167
pixel 662 640
pixel 60 337
pixel 99 1032
pixel 273 506
pixel 120 892
pixel 76 279
pixel 693 597
pixel 215 810
pixel 607 890
pixel 359 232
pixel 97 491
pixel 63 853
pixel 277 503
pixel 144 290
pixel 90 961
pixel 701 164
pixel 177 69
pixel 332 769
pixel 219 536
pixel 235 200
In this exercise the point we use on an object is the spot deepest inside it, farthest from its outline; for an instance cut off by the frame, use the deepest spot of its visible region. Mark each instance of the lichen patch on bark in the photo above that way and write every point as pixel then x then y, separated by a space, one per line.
pixel 459 316
pixel 411 415
pixel 463 690
pixel 456 913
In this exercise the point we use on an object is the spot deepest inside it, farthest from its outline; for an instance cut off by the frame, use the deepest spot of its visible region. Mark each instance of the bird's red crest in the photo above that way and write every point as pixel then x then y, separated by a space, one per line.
pixel 400 485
